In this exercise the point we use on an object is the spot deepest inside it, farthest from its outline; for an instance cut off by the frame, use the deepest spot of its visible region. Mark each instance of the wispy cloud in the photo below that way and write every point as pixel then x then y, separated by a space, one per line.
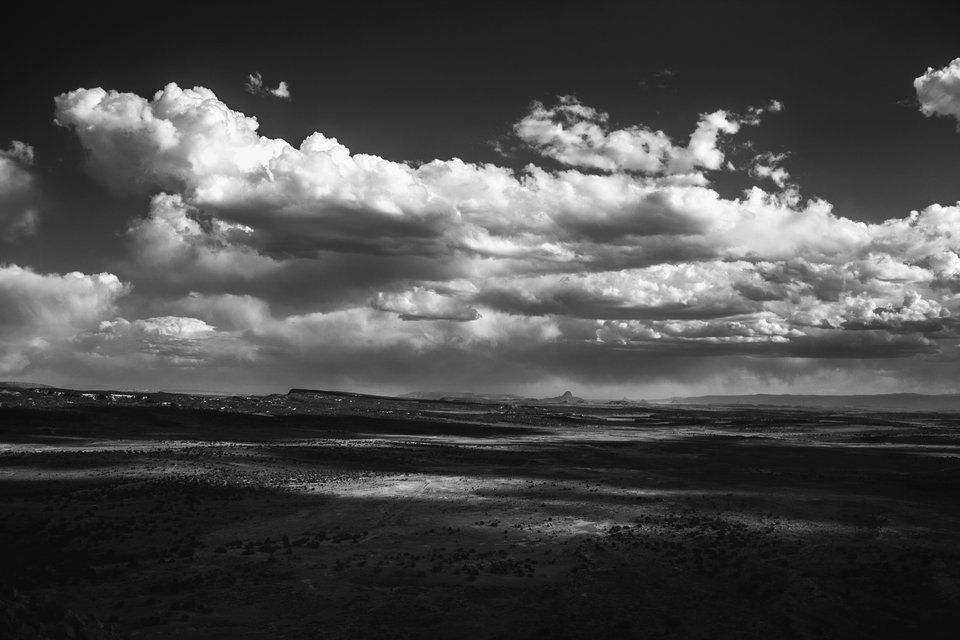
pixel 255 86
pixel 661 79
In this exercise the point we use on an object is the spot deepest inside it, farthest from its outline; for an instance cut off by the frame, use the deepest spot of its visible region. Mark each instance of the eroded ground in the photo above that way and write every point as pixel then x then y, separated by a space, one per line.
pixel 514 522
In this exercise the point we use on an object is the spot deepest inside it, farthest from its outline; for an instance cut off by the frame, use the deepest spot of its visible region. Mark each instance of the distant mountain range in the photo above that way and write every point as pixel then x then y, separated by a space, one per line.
pixel 902 401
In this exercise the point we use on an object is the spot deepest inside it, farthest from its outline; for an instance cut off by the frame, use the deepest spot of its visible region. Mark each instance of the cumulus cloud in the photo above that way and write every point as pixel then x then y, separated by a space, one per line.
pixel 322 197
pixel 255 86
pixel 137 144
pixel 176 243
pixel 188 141
pixel 577 135
pixel 768 165
pixel 314 257
pixel 174 327
pixel 938 90
pixel 154 352
pixel 181 340
pixel 19 198
pixel 39 311
pixel 28 298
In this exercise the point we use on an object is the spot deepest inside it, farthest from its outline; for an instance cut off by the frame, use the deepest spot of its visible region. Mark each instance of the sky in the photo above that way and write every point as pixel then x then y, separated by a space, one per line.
pixel 622 201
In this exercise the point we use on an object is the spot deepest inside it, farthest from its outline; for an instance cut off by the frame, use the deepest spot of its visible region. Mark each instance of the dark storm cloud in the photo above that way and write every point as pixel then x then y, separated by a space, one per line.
pixel 861 344
pixel 655 214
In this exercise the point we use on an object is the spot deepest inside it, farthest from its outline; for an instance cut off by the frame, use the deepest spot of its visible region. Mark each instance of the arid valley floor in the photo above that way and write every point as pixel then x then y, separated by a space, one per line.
pixel 321 515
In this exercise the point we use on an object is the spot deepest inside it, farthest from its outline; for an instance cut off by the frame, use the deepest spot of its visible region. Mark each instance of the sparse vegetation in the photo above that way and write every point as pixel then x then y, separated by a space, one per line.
pixel 250 519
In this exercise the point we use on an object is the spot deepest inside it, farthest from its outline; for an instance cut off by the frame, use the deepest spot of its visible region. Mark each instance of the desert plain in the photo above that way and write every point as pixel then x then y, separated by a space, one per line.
pixel 334 515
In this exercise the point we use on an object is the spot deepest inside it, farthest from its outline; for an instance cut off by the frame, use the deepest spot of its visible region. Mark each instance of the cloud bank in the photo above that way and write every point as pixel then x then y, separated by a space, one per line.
pixel 611 262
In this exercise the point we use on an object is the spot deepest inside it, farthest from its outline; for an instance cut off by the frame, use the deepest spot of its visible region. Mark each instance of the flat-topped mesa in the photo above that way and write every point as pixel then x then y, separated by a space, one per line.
pixel 321 393
pixel 465 396
pixel 566 398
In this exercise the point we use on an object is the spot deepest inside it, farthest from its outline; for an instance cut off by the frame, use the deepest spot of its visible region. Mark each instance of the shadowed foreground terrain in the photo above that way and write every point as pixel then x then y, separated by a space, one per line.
pixel 340 516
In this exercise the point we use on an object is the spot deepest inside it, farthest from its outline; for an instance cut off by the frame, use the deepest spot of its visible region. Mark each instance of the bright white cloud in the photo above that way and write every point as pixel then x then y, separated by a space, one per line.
pixel 38 311
pixel 151 333
pixel 577 135
pixel 166 343
pixel 768 165
pixel 322 197
pixel 138 144
pixel 938 90
pixel 164 327
pixel 281 91
pixel 739 330
pixel 28 298
pixel 323 258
